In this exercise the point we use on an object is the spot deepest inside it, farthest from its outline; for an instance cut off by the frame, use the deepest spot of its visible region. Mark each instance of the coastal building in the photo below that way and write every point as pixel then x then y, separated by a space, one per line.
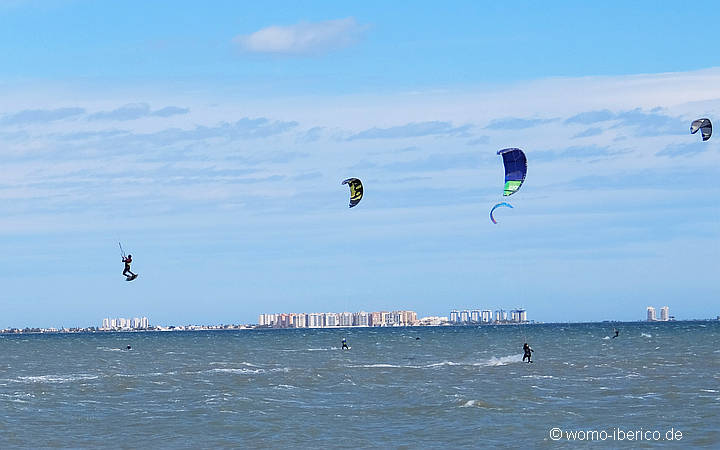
pixel 518 315
pixel 315 320
pixel 664 313
pixel 361 319
pixel 135 323
pixel 486 315
pixel 454 316
pixel 465 316
pixel 267 320
pixel 332 319
pixel 651 314
pixel 432 321
pixel 346 319
pixel 299 320
pixel 475 316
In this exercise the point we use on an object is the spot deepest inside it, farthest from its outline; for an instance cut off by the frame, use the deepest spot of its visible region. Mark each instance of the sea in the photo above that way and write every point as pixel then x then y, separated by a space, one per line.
pixel 656 384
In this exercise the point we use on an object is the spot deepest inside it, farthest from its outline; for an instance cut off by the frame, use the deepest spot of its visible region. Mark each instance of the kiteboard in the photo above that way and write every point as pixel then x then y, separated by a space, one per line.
pixel 131 277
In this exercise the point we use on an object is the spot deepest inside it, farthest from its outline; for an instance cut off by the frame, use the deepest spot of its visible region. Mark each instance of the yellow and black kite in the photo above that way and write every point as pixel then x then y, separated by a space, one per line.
pixel 356 190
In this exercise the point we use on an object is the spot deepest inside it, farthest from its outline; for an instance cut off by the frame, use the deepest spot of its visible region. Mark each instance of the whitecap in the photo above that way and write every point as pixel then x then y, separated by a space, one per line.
pixel 384 366
pixel 646 335
pixel 476 403
pixel 55 378
pixel 240 370
pixel 444 363
pixel 502 361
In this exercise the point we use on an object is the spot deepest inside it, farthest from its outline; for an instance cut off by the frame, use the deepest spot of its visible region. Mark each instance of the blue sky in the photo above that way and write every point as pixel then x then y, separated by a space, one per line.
pixel 212 142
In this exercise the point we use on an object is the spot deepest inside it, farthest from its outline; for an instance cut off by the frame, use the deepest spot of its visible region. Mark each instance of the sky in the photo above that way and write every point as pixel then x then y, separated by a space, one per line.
pixel 212 142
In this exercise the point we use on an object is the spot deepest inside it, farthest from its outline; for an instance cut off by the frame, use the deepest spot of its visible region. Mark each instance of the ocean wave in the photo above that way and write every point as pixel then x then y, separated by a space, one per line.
pixel 384 366
pixel 475 403
pixel 444 363
pixel 647 335
pixel 502 361
pixel 492 362
pixel 52 379
pixel 228 363
pixel 243 370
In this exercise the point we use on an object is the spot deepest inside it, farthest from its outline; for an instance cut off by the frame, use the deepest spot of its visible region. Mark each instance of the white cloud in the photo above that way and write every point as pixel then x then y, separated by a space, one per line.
pixel 303 38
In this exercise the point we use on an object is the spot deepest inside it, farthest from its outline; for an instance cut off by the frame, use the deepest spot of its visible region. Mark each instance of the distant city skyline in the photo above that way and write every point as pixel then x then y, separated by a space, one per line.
pixel 664 314
pixel 341 319
pixel 121 323
pixel 215 153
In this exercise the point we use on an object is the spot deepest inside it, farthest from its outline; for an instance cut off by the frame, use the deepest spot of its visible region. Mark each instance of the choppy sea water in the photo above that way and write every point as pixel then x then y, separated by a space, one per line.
pixel 453 387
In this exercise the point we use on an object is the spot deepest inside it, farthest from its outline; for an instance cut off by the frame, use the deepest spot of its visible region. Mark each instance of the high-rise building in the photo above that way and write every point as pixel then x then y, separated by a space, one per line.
pixel 651 314
pixel 386 319
pixel 486 315
pixel 465 316
pixel 316 320
pixel 410 317
pixel 361 319
pixel 518 315
pixel 346 319
pixel 332 319
pixel 664 313
pixel 454 316
pixel 144 323
pixel 299 320
pixel 106 324
pixel 267 320
pixel 475 316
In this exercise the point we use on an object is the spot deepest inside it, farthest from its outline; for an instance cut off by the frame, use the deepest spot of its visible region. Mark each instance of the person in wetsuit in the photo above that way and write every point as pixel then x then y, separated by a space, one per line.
pixel 617 333
pixel 528 352
pixel 344 345
pixel 127 260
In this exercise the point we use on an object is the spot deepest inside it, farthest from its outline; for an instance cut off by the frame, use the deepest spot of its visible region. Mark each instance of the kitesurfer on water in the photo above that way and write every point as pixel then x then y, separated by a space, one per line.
pixel 617 333
pixel 344 345
pixel 528 352
pixel 127 260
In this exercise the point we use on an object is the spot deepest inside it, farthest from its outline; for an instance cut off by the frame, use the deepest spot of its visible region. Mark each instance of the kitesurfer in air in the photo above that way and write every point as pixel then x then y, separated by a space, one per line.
pixel 128 260
pixel 528 352
pixel 344 345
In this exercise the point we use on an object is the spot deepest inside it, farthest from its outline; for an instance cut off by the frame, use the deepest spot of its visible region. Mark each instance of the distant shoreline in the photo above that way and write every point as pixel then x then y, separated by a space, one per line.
pixel 194 328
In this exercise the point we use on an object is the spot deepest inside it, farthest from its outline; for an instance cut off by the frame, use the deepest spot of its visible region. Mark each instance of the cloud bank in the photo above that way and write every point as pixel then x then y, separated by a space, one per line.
pixel 304 38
